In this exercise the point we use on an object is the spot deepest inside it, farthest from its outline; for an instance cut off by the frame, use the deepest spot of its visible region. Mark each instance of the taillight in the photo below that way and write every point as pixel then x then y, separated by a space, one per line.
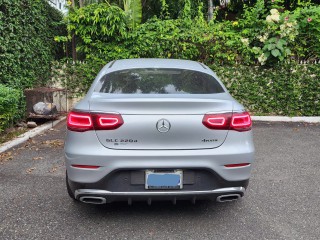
pixel 217 121
pixel 104 121
pixel 228 121
pixel 241 122
pixel 81 122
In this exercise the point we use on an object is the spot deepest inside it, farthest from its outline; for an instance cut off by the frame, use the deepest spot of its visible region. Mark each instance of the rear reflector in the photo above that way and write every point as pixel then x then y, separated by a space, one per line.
pixel 228 121
pixel 237 165
pixel 85 166
pixel 81 122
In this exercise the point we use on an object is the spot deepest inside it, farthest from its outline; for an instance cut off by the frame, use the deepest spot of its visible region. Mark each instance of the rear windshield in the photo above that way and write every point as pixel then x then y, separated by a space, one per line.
pixel 158 81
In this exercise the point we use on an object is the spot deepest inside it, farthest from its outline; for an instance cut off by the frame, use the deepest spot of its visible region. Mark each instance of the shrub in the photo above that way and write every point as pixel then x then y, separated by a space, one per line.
pixel 27 44
pixel 288 89
pixel 266 34
pixel 96 23
pixel 11 106
pixel 76 77
pixel 272 34
pixel 307 44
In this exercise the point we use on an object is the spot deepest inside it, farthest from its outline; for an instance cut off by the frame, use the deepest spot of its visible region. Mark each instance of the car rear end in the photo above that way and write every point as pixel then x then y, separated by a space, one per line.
pixel 152 129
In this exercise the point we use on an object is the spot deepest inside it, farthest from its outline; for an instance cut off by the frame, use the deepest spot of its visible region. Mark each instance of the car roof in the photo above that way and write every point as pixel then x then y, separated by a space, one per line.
pixel 155 63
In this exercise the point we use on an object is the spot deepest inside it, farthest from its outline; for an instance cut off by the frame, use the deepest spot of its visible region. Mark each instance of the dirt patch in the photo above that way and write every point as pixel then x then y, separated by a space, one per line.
pixel 11 133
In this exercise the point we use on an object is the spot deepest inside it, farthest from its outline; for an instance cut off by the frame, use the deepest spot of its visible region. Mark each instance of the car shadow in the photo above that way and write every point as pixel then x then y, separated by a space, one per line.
pixel 157 208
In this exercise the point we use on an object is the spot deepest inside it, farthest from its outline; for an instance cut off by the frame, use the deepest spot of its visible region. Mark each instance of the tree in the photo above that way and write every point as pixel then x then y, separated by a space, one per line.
pixel 73 40
pixel 210 10
pixel 133 10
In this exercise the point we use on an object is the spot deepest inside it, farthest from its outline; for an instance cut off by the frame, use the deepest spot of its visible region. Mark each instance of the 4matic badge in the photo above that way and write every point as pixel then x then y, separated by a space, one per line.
pixel 209 140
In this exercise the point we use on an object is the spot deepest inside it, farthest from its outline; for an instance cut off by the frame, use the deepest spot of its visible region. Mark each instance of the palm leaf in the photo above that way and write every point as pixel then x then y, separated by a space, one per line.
pixel 133 10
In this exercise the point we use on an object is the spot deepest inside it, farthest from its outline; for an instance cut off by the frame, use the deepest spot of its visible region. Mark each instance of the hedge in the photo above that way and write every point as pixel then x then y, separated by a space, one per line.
pixel 27 49
pixel 289 89
pixel 27 46
pixel 11 106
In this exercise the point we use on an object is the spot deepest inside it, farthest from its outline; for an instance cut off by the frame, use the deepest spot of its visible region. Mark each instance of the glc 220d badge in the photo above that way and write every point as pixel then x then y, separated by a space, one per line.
pixel 116 140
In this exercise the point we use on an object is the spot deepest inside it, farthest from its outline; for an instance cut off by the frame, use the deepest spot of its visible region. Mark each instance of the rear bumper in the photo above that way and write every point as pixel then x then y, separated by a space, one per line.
pixel 106 196
pixel 115 179
pixel 132 181
pixel 85 149
pixel 119 186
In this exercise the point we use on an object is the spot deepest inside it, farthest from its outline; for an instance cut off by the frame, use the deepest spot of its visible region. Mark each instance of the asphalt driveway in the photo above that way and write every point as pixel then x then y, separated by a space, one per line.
pixel 282 202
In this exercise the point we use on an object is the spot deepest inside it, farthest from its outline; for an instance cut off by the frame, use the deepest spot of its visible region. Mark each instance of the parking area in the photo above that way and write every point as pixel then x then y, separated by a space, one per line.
pixel 282 201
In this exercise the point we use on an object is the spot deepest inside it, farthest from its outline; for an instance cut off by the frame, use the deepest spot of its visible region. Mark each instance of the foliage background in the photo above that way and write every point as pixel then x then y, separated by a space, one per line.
pixel 27 49
pixel 290 89
pixel 256 54
pixel 265 33
pixel 27 46
pixel 254 47
pixel 11 106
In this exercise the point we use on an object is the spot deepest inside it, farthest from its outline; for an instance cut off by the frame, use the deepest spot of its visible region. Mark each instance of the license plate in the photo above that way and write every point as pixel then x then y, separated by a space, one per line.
pixel 163 180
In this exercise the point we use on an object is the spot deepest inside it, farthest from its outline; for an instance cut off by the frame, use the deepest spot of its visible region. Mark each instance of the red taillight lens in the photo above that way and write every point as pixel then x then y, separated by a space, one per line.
pixel 241 122
pixel 107 121
pixel 81 122
pixel 228 121
pixel 217 121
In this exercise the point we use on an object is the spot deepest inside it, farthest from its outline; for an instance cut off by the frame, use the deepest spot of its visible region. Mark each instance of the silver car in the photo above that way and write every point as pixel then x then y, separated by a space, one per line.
pixel 158 129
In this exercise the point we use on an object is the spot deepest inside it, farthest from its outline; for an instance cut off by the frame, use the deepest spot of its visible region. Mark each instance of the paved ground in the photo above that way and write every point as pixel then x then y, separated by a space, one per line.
pixel 282 202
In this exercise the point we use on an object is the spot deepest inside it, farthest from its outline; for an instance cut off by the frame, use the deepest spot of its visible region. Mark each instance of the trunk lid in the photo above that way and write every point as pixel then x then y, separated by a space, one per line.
pixel 161 123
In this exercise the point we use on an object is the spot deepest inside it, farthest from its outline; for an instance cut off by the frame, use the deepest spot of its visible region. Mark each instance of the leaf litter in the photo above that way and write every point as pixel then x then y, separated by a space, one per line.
pixel 5 157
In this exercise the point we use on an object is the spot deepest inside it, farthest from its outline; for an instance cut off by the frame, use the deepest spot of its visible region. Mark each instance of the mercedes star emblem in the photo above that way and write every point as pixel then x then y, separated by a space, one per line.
pixel 163 125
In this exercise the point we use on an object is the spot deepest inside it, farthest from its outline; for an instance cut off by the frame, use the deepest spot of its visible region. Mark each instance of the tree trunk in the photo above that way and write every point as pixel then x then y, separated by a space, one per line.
pixel 210 10
pixel 74 46
pixel 73 40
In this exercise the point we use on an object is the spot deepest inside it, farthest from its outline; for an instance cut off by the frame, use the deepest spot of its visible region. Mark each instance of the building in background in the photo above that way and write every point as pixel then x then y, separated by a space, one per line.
pixel 61 5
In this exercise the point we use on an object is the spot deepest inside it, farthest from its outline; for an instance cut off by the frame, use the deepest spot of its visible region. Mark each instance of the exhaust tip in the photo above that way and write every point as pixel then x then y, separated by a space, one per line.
pixel 93 200
pixel 228 198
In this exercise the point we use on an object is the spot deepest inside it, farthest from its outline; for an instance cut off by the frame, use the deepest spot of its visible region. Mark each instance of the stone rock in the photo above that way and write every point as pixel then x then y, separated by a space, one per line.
pixel 42 108
pixel 31 124
pixel 22 125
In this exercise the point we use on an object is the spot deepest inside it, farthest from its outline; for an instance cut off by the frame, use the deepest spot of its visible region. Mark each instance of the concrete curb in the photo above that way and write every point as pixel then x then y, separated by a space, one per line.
pixel 286 119
pixel 30 134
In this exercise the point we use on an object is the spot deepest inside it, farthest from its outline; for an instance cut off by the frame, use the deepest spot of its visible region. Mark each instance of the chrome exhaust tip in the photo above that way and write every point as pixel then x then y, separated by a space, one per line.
pixel 228 198
pixel 93 200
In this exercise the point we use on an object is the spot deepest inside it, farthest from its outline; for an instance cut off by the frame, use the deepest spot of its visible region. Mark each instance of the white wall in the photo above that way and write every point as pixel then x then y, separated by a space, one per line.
pixel 61 5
